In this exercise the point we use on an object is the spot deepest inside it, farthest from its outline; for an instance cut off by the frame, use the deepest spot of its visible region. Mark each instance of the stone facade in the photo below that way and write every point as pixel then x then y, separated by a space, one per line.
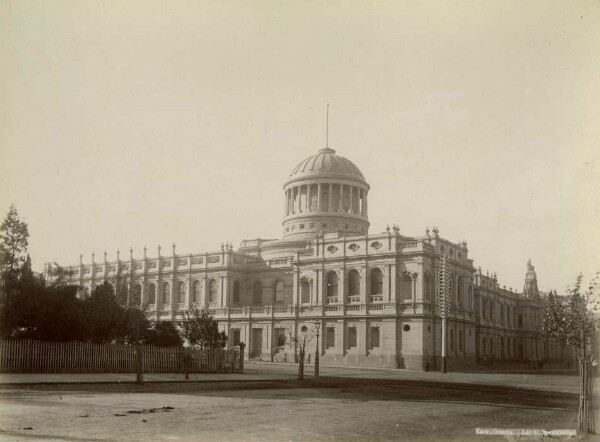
pixel 373 297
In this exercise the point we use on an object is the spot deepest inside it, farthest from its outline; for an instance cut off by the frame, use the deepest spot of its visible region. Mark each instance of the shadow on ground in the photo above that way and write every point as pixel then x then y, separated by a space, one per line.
pixel 355 390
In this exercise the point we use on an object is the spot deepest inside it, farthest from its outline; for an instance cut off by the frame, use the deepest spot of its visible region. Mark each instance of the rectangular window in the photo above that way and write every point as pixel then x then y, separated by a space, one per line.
pixel 351 337
pixel 234 337
pixel 330 338
pixel 520 320
pixel 280 337
pixel 483 345
pixel 451 344
pixel 460 340
pixel 374 338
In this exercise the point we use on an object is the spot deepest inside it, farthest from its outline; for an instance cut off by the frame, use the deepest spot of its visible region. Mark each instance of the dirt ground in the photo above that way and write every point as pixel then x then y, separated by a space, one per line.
pixel 329 409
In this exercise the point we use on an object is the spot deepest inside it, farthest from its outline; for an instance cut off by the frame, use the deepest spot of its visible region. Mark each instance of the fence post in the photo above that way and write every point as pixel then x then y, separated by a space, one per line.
pixel 187 359
pixel 242 346
pixel 139 366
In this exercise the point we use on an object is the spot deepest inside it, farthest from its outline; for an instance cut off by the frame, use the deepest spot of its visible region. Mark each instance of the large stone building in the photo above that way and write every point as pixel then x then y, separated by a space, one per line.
pixel 372 296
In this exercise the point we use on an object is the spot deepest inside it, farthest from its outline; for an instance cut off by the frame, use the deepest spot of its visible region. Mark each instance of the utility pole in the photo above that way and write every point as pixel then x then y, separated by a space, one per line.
pixel 444 295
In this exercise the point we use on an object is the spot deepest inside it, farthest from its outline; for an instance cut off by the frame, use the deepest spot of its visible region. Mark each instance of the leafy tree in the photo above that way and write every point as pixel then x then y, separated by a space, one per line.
pixel 58 315
pixel 201 330
pixel 133 326
pixel 59 276
pixel 103 315
pixel 164 334
pixel 13 248
pixel 47 313
pixel 573 320
pixel 122 288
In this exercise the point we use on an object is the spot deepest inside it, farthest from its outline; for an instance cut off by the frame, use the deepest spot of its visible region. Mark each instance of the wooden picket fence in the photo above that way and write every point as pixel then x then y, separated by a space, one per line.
pixel 32 356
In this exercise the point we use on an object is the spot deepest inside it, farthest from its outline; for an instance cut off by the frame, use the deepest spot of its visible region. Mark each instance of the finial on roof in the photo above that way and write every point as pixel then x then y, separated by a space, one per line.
pixel 327 129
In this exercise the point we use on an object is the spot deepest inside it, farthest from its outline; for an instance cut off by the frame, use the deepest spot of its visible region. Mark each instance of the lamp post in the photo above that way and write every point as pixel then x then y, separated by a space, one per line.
pixel 317 327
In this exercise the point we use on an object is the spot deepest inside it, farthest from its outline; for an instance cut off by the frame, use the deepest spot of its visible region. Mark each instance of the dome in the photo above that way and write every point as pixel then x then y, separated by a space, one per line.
pixel 325 193
pixel 326 163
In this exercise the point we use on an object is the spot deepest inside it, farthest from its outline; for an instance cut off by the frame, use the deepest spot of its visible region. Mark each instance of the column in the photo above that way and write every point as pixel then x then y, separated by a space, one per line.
pixel 351 199
pixel 296 286
pixel 225 291
pixel 342 286
pixel 414 290
pixel 330 198
pixel 365 204
pixel 294 208
pixel 363 285
pixel 205 291
pixel 362 197
pixel 190 288
pixel 392 279
pixel 300 208
pixel 341 206
pixel 308 198
pixel 319 198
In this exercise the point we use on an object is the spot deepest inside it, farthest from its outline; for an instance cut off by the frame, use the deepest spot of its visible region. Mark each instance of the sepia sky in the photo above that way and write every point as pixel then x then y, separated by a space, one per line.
pixel 132 123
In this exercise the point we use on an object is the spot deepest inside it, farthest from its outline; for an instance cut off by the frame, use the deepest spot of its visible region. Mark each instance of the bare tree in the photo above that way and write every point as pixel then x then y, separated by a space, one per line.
pixel 300 342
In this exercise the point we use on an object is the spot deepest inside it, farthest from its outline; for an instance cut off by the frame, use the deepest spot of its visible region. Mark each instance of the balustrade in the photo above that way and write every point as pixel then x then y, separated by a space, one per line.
pixel 353 299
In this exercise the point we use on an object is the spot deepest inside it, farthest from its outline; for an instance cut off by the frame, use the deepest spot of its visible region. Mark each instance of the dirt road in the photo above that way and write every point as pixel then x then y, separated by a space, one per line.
pixel 334 408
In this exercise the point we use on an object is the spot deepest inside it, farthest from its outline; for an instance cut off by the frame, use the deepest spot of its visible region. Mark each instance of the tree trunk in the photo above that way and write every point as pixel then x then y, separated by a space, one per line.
pixel 585 416
pixel 301 366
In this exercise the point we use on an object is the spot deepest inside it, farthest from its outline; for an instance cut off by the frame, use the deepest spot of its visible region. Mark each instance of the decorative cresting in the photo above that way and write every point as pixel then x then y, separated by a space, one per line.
pixel 325 193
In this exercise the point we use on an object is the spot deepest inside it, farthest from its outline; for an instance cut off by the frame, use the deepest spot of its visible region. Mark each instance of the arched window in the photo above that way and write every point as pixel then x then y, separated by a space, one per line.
pixel 332 285
pixel 151 294
pixel 166 293
pixel 214 290
pixel 459 291
pixel 257 295
pixel 305 291
pixel 236 292
pixel 376 282
pixel 197 288
pixel 354 285
pixel 406 287
pixel 278 292
pixel 428 287
pixel 181 293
